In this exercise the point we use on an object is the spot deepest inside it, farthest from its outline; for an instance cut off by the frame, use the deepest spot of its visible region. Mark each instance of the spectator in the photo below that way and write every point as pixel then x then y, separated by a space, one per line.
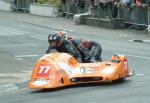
pixel 81 5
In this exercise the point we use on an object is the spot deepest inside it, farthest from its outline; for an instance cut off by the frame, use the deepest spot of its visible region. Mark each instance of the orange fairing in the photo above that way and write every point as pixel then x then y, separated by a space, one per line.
pixel 60 69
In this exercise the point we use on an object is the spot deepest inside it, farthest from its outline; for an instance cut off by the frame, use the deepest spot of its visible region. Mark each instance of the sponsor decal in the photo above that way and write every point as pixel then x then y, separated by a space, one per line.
pixel 67 68
pixel 108 70
pixel 40 81
pixel 88 70
pixel 82 70
pixel 77 70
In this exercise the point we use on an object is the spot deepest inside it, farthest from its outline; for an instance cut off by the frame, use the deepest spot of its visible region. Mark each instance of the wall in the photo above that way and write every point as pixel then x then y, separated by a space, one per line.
pixel 4 6
pixel 44 10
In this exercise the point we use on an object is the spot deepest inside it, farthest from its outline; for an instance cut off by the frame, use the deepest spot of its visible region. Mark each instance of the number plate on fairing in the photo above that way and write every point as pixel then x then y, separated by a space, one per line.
pixel 43 70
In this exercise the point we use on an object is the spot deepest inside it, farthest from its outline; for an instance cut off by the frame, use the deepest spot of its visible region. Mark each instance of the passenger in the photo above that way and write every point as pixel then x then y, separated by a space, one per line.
pixel 90 50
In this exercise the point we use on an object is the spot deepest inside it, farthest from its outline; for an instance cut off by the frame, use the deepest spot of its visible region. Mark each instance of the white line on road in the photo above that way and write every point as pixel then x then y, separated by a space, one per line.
pixel 14 45
pixel 24 56
pixel 140 40
pixel 19 58
pixel 12 30
pixel 139 74
pixel 8 87
pixel 146 40
pixel 9 33
pixel 67 30
pixel 38 38
pixel 136 56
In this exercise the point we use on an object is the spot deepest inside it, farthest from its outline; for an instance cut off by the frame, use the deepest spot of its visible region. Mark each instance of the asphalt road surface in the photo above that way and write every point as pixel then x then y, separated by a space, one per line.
pixel 21 44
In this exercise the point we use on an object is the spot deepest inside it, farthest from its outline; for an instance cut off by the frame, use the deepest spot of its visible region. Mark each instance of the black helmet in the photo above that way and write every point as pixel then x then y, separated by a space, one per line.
pixel 54 36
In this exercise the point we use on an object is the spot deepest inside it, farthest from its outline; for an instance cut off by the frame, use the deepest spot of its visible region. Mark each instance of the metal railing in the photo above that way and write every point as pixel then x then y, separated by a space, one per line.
pixel 21 5
pixel 70 8
pixel 136 16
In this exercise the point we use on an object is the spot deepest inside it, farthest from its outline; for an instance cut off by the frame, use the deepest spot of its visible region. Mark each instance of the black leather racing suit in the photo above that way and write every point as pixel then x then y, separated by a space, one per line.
pixel 67 47
pixel 90 50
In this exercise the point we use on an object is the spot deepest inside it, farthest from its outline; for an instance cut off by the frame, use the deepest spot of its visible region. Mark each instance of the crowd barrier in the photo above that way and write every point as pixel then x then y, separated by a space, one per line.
pixel 135 15
pixel 70 8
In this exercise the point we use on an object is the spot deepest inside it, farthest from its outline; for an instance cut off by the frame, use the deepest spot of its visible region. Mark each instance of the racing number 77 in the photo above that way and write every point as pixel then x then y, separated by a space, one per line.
pixel 43 70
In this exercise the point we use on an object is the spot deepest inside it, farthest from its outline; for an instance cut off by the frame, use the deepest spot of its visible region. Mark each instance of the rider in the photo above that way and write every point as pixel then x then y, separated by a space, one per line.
pixel 62 45
pixel 90 50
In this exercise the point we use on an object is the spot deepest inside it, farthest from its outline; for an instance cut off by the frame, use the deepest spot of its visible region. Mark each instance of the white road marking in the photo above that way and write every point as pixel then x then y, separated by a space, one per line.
pixel 146 40
pixel 35 28
pixel 26 71
pixel 67 30
pixel 131 40
pixel 14 45
pixel 140 40
pixel 2 75
pixel 7 87
pixel 9 31
pixel 8 80
pixel 136 40
pixel 139 74
pixel 135 56
pixel 61 29
pixel 19 58
pixel 12 29
pixel 38 38
pixel 124 35
pixel 24 56
pixel 15 77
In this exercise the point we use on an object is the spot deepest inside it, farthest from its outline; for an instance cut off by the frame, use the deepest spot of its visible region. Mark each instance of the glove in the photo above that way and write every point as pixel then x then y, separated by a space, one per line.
pixel 92 60
pixel 92 51
pixel 48 50
pixel 79 60
pixel 87 58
